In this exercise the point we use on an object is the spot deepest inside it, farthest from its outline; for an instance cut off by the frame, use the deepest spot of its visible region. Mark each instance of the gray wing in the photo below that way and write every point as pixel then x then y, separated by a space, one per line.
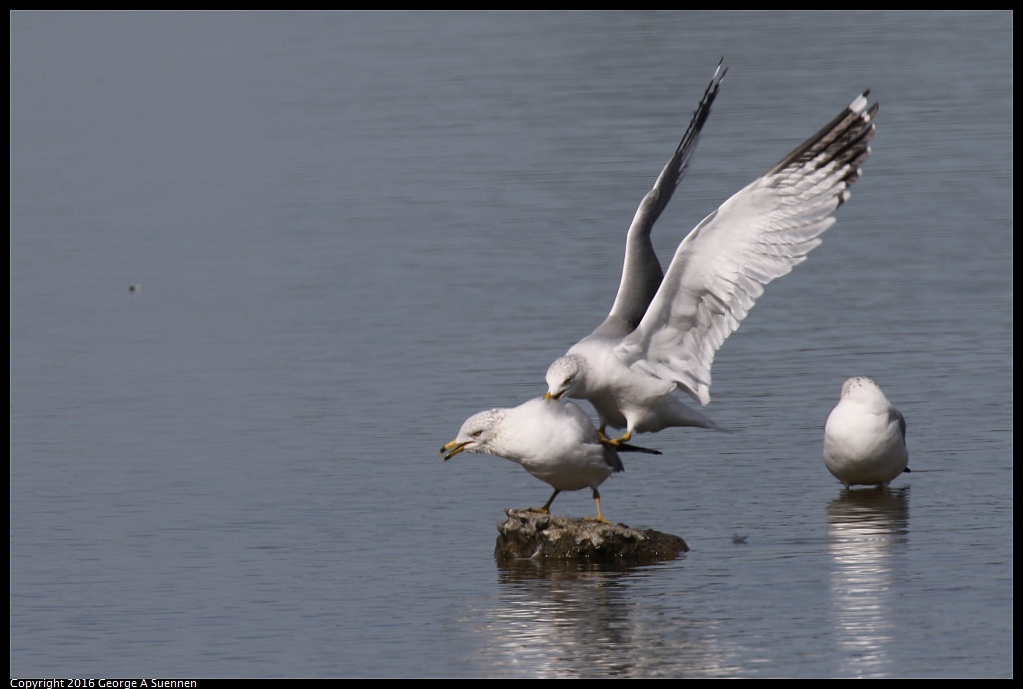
pixel 641 276
pixel 756 236
pixel 895 415
pixel 613 460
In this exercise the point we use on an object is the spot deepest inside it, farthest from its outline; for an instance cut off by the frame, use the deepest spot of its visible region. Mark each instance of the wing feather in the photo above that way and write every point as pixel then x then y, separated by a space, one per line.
pixel 641 275
pixel 756 236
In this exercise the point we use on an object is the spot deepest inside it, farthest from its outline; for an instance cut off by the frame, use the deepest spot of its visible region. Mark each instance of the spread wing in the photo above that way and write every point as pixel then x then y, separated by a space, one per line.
pixel 758 235
pixel 642 273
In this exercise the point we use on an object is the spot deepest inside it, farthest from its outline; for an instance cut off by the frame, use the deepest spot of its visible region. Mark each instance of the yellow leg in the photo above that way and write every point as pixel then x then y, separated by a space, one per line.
pixel 546 509
pixel 613 442
pixel 600 517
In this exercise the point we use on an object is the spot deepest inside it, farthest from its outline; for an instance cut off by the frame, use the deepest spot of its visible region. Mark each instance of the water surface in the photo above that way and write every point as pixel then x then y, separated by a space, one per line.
pixel 352 231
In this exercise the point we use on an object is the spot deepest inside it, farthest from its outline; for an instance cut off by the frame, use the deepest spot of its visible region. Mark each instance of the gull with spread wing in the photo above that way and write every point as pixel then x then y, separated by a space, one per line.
pixel 662 332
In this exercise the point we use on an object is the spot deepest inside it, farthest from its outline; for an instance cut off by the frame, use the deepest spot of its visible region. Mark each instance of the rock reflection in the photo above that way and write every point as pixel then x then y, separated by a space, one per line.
pixel 867 530
pixel 577 620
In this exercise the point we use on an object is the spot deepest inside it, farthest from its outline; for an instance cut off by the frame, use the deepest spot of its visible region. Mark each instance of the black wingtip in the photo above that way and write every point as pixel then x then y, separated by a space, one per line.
pixel 843 140
pixel 625 447
pixel 718 77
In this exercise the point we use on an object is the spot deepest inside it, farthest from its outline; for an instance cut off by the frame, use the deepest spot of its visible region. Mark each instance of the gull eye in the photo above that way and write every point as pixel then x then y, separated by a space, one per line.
pixel 476 434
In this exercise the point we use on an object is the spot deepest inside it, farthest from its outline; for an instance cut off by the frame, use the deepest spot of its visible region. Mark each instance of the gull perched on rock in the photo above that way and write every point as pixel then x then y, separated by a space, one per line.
pixel 554 441
pixel 865 437
pixel 663 333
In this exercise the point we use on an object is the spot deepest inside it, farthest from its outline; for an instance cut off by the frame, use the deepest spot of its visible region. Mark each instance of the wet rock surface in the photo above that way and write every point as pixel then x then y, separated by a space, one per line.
pixel 527 534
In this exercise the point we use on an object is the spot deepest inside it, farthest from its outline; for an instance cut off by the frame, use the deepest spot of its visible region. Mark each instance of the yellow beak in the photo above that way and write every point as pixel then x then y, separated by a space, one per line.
pixel 452 449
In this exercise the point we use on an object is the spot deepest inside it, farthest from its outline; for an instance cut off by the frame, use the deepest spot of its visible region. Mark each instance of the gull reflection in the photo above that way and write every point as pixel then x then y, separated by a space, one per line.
pixel 867 532
pixel 577 620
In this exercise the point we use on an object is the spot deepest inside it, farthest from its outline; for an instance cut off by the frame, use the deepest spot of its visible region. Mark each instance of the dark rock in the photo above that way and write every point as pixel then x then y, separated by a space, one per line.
pixel 529 534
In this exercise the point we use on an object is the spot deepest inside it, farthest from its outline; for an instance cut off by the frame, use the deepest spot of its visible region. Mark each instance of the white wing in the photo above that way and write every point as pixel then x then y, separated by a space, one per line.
pixel 641 275
pixel 758 235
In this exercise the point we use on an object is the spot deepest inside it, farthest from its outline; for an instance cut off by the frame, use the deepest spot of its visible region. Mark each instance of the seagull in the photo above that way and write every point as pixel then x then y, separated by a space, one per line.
pixel 662 333
pixel 865 437
pixel 554 441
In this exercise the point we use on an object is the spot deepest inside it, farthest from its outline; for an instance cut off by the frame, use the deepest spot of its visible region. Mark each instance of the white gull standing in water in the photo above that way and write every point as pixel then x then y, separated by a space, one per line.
pixel 662 334
pixel 865 437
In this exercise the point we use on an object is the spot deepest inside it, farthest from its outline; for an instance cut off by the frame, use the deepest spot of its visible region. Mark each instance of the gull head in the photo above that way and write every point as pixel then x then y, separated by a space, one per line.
pixel 477 434
pixel 566 376
pixel 862 390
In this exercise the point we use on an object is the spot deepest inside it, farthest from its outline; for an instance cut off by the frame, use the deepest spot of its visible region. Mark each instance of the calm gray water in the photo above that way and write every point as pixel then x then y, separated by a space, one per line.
pixel 352 231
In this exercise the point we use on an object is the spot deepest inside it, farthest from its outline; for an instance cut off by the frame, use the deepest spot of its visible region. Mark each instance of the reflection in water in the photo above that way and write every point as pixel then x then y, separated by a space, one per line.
pixel 576 620
pixel 866 531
